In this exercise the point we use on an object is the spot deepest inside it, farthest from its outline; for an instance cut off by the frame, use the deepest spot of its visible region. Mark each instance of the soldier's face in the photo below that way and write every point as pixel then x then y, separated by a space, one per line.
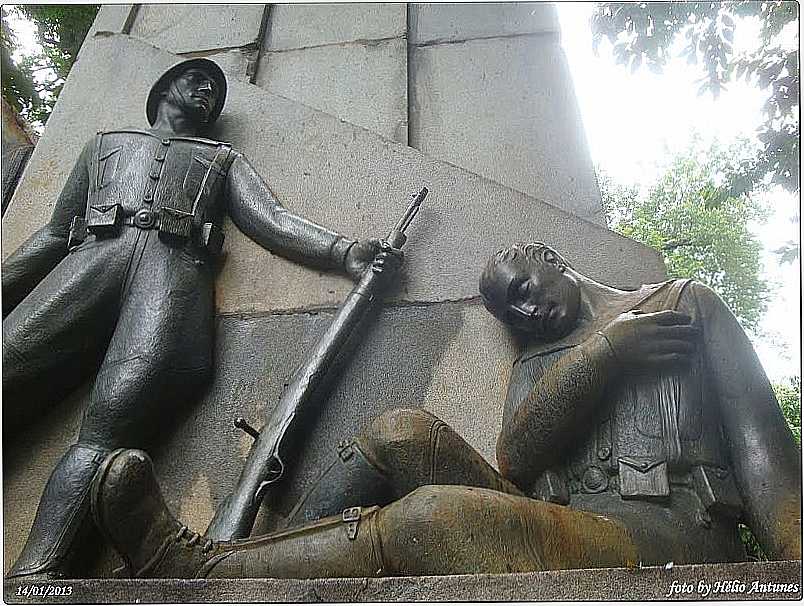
pixel 195 92
pixel 540 298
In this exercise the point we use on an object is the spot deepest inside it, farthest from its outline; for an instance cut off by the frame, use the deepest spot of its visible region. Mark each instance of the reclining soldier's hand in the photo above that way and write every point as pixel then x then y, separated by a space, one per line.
pixel 642 341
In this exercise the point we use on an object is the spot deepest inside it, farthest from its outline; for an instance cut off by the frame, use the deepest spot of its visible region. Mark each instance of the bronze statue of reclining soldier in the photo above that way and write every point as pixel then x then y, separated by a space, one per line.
pixel 638 427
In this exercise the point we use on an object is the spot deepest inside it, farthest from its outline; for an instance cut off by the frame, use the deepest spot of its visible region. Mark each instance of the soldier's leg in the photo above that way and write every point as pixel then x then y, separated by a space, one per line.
pixel 433 530
pixel 159 356
pixel 56 336
pixel 401 450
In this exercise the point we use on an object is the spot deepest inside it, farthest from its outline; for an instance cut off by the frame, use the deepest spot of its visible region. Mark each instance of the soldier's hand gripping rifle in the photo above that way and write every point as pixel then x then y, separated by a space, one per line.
pixel 265 466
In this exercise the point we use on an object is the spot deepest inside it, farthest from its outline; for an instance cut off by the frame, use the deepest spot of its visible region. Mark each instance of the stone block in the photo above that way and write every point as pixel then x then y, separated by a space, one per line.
pixel 113 18
pixel 236 64
pixel 333 172
pixel 434 23
pixel 365 84
pixel 187 28
pixel 528 136
pixel 304 25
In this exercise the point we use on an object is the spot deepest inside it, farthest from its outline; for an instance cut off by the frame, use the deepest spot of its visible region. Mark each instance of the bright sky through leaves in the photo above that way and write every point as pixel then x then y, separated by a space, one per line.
pixel 636 123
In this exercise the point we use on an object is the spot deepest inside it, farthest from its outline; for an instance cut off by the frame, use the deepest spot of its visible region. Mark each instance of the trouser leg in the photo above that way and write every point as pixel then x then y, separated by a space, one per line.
pixel 158 357
pixel 432 530
pixel 350 479
pixel 398 452
pixel 467 530
pixel 56 336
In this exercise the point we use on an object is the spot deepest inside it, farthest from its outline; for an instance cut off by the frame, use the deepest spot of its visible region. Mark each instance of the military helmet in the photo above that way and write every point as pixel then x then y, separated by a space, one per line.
pixel 212 68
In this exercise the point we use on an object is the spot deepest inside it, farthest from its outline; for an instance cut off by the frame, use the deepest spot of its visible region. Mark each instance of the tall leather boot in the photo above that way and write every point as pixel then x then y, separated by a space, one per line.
pixel 401 450
pixel 350 480
pixel 62 511
pixel 131 513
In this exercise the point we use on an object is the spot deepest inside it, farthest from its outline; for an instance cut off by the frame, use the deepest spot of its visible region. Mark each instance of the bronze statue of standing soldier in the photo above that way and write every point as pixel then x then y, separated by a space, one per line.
pixel 121 280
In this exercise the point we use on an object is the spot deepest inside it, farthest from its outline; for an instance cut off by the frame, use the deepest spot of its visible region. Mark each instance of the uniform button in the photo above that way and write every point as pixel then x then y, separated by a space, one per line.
pixel 145 218
pixel 603 452
pixel 595 479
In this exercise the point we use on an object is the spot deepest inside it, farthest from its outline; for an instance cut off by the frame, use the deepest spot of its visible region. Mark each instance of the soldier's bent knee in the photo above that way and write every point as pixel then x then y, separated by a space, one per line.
pixel 401 436
pixel 399 426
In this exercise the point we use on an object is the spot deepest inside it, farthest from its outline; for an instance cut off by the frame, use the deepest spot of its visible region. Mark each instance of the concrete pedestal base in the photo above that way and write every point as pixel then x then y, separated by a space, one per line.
pixel 745 581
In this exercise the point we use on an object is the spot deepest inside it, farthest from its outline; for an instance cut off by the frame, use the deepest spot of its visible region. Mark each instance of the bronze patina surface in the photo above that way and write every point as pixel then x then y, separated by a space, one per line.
pixel 638 427
pixel 120 282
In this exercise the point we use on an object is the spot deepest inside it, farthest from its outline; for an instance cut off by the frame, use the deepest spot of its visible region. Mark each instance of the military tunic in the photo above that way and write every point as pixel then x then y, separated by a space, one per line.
pixel 134 296
pixel 653 455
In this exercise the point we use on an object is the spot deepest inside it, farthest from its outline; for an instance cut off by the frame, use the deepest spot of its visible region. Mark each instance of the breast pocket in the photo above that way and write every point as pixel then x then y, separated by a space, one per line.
pixel 201 177
pixel 108 163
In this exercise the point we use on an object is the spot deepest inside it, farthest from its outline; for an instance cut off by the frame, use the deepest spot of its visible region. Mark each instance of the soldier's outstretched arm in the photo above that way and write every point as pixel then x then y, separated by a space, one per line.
pixel 766 459
pixel 38 255
pixel 260 216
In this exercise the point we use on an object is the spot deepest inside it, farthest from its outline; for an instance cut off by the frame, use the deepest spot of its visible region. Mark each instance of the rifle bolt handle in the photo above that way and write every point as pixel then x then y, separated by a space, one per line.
pixel 241 423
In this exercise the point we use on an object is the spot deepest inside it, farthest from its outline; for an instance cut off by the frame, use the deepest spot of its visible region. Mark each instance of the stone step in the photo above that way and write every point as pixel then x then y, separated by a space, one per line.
pixel 720 582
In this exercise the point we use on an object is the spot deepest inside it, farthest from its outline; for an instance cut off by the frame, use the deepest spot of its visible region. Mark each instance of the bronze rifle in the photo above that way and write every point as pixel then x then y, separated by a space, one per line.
pixel 265 464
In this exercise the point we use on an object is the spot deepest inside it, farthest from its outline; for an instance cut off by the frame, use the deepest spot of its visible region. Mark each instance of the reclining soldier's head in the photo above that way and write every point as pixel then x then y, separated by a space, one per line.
pixel 527 287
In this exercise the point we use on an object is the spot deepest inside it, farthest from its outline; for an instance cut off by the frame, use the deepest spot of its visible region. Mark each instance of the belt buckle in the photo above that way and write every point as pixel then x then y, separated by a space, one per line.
pixel 144 218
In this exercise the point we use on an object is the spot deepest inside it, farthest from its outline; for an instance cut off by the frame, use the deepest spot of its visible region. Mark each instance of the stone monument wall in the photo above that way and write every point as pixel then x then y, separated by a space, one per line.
pixel 324 101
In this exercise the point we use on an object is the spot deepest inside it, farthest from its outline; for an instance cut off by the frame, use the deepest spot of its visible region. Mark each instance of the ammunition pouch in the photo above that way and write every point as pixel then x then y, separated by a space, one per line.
pixel 104 219
pixel 642 478
pixel 175 225
pixel 173 228
pixel 176 228
pixel 646 478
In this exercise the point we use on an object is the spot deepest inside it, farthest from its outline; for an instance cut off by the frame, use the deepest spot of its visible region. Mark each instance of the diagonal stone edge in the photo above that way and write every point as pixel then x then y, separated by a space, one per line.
pixel 374 175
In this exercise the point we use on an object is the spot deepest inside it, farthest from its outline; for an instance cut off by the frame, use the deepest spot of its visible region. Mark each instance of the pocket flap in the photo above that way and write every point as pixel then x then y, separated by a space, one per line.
pixel 103 208
pixel 641 464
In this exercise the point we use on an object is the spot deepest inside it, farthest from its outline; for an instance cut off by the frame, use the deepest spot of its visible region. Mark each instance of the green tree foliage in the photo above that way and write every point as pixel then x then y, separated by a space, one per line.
pixel 701 231
pixel 789 396
pixel 18 86
pixel 650 33
pixel 60 30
